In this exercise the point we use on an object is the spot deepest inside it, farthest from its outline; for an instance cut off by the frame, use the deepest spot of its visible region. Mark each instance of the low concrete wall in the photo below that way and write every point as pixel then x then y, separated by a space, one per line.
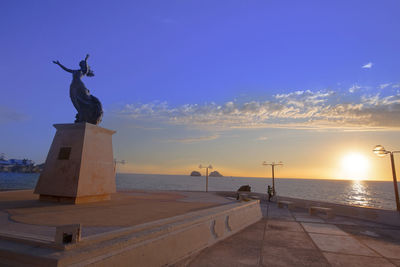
pixel 157 243
pixel 389 217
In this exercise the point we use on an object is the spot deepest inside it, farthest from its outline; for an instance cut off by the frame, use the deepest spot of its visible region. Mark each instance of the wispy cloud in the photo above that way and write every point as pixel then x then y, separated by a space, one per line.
pixel 141 127
pixel 262 138
pixel 9 115
pixel 354 88
pixel 195 139
pixel 367 66
pixel 324 109
pixel 396 85
pixel 384 85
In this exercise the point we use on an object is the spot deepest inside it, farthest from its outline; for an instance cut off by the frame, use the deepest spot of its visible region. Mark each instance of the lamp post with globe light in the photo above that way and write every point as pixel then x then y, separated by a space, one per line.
pixel 206 167
pixel 380 151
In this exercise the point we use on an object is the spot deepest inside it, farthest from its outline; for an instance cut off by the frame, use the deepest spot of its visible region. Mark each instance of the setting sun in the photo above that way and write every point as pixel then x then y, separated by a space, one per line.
pixel 354 166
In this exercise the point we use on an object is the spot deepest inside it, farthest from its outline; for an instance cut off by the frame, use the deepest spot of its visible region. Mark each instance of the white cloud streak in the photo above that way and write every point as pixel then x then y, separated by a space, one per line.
pixel 298 109
pixel 384 85
pixel 195 139
pixel 368 65
pixel 354 88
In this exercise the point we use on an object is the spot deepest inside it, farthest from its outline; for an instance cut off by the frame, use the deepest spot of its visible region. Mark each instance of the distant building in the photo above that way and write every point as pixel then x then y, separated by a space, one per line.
pixel 15 165
pixel 4 162
pixel 21 162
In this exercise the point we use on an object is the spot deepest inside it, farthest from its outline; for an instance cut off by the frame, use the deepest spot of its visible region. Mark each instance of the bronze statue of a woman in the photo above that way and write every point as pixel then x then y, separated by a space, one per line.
pixel 88 106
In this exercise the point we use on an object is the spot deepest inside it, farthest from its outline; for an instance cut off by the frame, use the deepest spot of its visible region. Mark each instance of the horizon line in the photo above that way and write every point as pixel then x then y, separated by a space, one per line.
pixel 259 177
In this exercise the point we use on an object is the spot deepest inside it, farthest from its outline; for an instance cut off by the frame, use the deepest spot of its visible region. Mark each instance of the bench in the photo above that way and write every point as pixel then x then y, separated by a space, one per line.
pixel 242 196
pixel 290 205
pixel 328 211
pixel 246 196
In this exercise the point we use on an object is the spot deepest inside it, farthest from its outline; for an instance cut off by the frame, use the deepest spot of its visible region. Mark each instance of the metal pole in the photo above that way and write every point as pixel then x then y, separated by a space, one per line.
pixel 273 178
pixel 396 190
pixel 206 179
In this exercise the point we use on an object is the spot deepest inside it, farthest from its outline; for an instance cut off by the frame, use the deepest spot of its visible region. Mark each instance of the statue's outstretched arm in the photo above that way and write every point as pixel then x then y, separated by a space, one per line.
pixel 64 68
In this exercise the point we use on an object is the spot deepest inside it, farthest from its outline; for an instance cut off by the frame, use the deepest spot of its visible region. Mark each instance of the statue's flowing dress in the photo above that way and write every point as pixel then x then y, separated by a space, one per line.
pixel 88 106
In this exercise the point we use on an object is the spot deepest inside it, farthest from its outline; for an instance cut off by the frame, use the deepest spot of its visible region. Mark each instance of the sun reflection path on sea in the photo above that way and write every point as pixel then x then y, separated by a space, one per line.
pixel 358 194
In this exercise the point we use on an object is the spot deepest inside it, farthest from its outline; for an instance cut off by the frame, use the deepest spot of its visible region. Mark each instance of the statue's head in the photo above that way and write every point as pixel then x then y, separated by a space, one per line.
pixel 86 69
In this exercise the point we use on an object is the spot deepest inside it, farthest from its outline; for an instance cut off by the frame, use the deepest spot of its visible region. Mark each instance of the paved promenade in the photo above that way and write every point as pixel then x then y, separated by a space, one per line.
pixel 293 238
pixel 22 214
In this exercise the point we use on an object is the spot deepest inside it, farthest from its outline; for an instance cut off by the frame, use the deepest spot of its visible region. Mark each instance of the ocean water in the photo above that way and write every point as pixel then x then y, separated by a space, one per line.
pixel 361 193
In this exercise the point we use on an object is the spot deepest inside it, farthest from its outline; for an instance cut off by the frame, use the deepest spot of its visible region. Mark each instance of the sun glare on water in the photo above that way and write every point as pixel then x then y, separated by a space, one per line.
pixel 354 166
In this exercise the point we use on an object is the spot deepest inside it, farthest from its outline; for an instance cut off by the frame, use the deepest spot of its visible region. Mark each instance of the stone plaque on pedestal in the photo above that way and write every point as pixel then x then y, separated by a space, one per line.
pixel 80 165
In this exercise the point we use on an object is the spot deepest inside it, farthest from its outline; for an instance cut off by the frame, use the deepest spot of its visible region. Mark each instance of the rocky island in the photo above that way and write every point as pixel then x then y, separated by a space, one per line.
pixel 195 173
pixel 215 174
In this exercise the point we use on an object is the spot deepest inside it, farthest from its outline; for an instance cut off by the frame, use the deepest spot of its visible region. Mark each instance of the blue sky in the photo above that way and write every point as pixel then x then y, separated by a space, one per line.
pixel 183 81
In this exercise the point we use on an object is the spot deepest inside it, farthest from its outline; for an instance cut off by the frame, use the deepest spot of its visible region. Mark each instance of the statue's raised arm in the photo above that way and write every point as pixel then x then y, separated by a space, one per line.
pixel 62 66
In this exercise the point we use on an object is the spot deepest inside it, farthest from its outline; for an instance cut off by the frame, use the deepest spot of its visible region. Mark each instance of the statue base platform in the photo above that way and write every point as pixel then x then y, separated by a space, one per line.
pixel 80 165
pixel 75 200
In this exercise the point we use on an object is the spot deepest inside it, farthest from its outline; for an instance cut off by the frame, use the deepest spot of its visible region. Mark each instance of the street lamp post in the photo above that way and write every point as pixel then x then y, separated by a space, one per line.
pixel 381 152
pixel 206 167
pixel 118 162
pixel 273 164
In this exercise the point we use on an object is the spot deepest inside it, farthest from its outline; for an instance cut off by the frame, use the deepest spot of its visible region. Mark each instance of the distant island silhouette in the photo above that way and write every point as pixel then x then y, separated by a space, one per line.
pixel 212 174
pixel 215 174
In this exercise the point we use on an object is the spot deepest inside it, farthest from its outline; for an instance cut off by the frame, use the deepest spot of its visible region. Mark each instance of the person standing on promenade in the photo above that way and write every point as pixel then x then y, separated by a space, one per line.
pixel 269 191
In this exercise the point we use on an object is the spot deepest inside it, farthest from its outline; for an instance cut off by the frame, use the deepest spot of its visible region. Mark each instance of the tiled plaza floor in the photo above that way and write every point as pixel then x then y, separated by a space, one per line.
pixel 285 238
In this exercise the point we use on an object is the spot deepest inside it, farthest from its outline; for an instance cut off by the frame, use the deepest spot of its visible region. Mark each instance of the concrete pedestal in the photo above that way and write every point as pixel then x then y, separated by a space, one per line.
pixel 80 165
